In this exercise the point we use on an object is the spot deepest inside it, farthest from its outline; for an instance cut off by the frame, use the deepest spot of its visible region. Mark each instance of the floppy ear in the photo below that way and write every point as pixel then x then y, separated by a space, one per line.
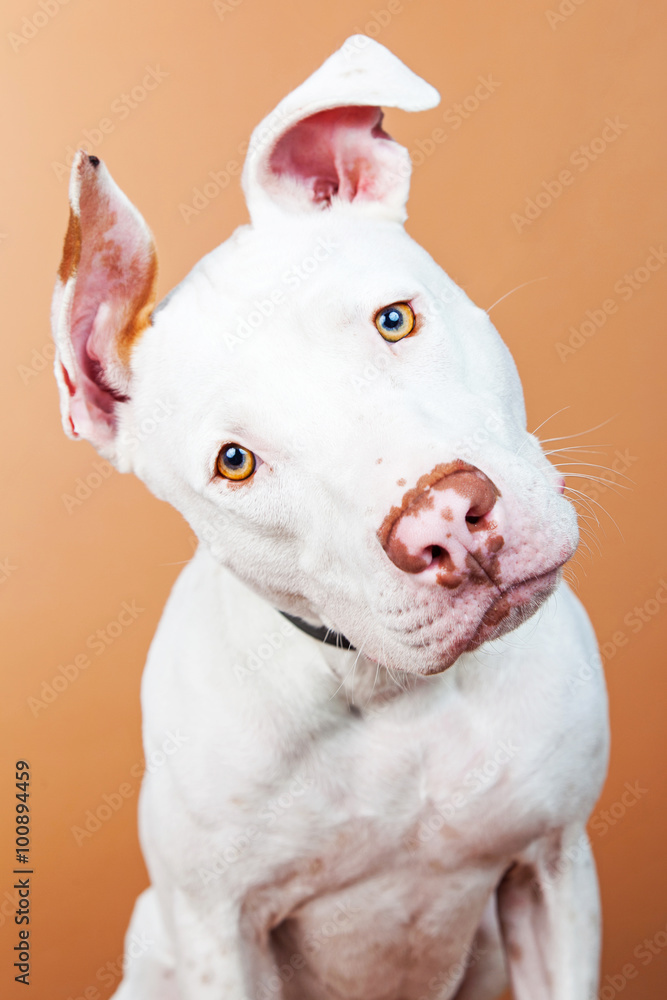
pixel 102 302
pixel 324 144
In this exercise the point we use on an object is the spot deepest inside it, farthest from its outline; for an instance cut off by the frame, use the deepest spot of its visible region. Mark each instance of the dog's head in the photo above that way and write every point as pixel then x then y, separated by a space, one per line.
pixel 336 420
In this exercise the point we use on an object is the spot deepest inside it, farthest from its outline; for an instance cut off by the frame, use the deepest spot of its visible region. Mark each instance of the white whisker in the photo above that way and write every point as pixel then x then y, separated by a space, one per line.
pixel 554 414
pixel 531 282
pixel 600 479
pixel 568 437
pixel 591 465
pixel 603 509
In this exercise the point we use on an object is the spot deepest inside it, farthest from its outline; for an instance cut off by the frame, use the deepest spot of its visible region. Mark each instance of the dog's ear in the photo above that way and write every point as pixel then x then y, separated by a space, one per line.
pixel 102 302
pixel 324 143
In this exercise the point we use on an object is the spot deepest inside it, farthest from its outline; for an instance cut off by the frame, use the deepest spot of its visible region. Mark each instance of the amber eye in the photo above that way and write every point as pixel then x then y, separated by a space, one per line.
pixel 235 462
pixel 396 321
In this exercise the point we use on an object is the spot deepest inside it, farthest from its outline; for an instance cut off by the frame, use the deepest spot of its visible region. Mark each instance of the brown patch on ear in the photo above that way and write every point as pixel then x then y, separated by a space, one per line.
pixel 71 248
pixel 142 307
pixel 129 265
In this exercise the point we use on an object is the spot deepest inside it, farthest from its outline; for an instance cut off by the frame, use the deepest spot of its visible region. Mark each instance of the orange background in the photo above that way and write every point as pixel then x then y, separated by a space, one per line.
pixel 66 573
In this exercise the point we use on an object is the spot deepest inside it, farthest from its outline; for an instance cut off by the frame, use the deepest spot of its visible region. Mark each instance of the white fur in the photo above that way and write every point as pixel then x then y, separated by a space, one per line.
pixel 372 848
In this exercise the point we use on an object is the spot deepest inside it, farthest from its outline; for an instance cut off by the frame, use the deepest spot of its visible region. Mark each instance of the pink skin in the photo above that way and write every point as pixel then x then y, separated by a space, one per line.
pixel 105 294
pixel 451 535
pixel 340 152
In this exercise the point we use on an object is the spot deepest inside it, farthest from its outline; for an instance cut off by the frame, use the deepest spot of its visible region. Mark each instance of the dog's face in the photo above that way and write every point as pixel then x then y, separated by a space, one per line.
pixel 336 420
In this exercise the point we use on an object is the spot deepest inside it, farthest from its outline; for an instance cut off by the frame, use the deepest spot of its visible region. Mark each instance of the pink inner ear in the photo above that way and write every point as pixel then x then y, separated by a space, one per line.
pixel 110 262
pixel 340 152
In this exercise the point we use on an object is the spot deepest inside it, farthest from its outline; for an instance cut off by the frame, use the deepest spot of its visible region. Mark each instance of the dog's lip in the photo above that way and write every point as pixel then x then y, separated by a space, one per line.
pixel 510 598
pixel 514 596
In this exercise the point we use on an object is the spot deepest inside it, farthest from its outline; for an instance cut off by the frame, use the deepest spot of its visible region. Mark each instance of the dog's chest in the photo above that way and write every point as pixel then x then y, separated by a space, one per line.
pixel 416 780
pixel 383 866
pixel 428 785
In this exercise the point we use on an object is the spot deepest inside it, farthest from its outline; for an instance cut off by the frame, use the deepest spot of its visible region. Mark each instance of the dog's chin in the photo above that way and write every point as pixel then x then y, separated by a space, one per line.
pixel 505 612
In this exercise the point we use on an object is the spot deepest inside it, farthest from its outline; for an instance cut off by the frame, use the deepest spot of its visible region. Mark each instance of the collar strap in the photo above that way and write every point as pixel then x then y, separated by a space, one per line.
pixel 320 632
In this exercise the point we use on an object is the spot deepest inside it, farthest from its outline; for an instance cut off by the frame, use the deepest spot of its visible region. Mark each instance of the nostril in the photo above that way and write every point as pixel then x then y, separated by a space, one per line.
pixel 478 493
pixel 477 522
pixel 461 501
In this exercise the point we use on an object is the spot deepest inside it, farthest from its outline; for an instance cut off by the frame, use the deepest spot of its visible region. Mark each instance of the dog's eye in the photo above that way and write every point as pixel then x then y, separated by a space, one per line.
pixel 396 321
pixel 235 462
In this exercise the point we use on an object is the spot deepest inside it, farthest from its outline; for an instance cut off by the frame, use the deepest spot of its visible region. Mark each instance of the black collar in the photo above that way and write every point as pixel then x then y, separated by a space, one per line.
pixel 320 632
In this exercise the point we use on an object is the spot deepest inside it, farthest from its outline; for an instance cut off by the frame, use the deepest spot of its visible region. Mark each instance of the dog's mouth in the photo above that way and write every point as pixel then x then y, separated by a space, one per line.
pixel 508 609
pixel 513 606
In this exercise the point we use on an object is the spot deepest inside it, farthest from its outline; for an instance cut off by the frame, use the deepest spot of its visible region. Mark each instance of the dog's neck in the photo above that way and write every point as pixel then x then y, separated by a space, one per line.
pixel 368 687
pixel 355 679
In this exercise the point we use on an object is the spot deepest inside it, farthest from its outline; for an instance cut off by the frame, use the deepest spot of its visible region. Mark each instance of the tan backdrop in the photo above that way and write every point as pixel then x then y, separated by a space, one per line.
pixel 548 173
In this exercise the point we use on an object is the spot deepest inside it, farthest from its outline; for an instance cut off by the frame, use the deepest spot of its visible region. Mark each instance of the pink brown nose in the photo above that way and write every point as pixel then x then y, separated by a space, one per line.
pixel 443 524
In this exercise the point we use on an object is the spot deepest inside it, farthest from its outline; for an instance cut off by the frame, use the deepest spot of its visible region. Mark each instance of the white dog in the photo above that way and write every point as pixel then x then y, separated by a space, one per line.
pixel 397 812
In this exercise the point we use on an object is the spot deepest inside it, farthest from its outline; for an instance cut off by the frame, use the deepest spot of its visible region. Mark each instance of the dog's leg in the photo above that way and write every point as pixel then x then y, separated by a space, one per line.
pixel 549 913
pixel 486 975
pixel 148 964
pixel 209 960
pixel 216 955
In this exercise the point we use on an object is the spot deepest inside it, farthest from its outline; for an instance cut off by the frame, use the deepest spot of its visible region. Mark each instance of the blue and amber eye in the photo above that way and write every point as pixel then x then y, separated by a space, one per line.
pixel 236 463
pixel 396 321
